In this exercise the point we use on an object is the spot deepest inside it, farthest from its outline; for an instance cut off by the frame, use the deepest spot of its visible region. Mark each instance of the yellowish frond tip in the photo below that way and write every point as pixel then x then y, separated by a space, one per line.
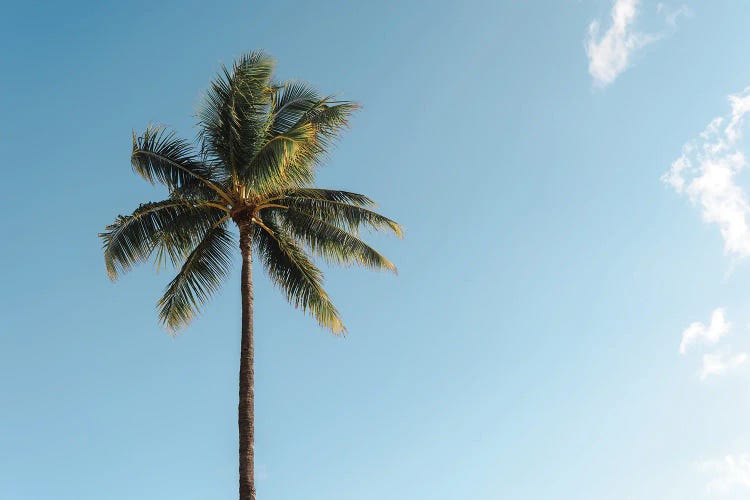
pixel 398 229
pixel 337 327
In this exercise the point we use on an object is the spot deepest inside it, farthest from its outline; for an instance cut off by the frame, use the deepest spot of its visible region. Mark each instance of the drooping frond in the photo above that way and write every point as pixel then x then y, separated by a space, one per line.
pixel 187 230
pixel 159 156
pixel 234 116
pixel 330 242
pixel 293 271
pixel 171 226
pixel 200 276
pixel 350 217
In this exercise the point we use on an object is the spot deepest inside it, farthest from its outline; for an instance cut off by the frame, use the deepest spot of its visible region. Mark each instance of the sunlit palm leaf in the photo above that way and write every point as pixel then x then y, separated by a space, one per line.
pixel 294 272
pixel 292 102
pixel 234 114
pixel 331 242
pixel 283 160
pixel 350 217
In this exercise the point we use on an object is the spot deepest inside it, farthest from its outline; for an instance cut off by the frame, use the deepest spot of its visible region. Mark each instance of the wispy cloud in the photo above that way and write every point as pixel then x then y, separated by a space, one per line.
pixel 672 15
pixel 716 329
pixel 610 53
pixel 730 472
pixel 719 364
pixel 707 173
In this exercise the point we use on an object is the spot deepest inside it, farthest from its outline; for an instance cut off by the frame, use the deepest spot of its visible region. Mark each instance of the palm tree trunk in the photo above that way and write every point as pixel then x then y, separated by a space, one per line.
pixel 246 413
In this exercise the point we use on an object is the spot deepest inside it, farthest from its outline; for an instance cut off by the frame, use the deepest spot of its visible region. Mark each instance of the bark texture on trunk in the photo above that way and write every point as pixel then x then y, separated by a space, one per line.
pixel 246 410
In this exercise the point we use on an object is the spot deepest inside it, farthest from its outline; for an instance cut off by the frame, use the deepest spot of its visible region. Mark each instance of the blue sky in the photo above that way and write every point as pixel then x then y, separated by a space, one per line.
pixel 571 315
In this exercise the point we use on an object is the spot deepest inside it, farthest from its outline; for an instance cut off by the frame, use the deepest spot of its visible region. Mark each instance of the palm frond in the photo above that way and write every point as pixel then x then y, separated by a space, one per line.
pixel 331 117
pixel 160 156
pixel 350 217
pixel 291 102
pixel 198 192
pixel 292 270
pixel 302 129
pixel 200 276
pixel 283 160
pixel 233 118
pixel 171 226
pixel 330 242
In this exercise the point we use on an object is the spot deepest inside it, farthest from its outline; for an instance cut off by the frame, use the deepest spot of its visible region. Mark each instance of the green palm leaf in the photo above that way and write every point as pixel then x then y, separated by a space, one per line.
pixel 200 276
pixel 350 217
pixel 331 242
pixel 171 226
pixel 283 160
pixel 159 156
pixel 293 271
pixel 291 102
pixel 234 116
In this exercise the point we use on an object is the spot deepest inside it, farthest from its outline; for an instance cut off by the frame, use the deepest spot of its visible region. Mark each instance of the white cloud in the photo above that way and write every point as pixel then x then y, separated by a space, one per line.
pixel 707 173
pixel 719 364
pixel 710 334
pixel 729 473
pixel 610 54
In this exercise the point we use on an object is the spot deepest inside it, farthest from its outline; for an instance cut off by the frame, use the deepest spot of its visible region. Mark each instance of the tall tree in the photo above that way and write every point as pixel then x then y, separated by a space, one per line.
pixel 258 144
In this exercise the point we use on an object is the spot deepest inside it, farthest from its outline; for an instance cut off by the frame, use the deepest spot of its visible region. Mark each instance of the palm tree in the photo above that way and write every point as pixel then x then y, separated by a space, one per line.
pixel 253 165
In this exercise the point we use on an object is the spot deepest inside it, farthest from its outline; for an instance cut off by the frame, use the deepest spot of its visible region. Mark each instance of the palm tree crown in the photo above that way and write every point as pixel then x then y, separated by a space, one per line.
pixel 253 165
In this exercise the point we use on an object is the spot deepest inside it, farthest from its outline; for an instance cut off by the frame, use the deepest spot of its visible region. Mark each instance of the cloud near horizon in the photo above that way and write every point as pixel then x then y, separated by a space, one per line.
pixel 707 173
pixel 729 473
pixel 719 364
pixel 610 53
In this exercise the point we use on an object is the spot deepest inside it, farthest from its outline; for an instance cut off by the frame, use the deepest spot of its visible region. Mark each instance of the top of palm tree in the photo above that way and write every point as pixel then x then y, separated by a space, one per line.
pixel 258 144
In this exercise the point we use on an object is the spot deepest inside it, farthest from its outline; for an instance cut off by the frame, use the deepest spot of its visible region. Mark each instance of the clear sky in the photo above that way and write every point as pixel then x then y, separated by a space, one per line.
pixel 571 316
